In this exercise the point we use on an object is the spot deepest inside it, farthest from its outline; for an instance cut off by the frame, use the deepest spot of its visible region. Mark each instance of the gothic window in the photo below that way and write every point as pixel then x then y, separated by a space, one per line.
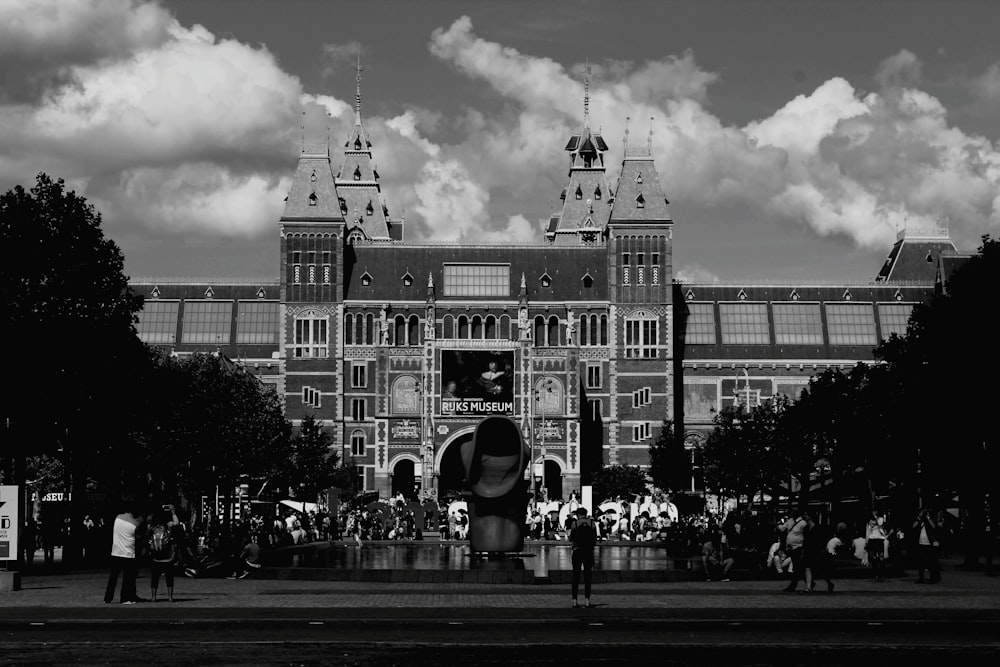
pixel 463 326
pixel 490 327
pixel 369 210
pixel 448 324
pixel 579 192
pixel 357 173
pixel 539 331
pixel 640 202
pixel 313 199
pixel 597 193
pixel 504 331
pixel 348 329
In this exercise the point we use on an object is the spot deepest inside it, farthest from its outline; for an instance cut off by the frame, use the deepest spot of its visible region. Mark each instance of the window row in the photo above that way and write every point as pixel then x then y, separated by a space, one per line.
pixel 794 323
pixel 478 327
pixel 210 322
pixel 311 272
pixel 593 329
pixel 644 275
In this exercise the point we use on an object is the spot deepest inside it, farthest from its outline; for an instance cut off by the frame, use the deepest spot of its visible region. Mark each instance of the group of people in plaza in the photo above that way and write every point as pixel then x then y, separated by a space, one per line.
pixel 801 547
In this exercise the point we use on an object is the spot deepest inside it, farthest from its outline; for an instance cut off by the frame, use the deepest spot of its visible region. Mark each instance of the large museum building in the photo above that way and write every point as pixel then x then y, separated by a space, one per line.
pixel 584 339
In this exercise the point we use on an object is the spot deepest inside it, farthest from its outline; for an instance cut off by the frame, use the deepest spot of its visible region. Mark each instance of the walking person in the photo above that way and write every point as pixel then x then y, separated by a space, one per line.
pixel 162 551
pixel 795 538
pixel 123 557
pixel 584 539
pixel 876 544
pixel 927 548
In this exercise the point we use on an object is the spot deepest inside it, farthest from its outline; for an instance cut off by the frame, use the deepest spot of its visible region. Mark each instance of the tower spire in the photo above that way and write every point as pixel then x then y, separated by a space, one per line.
pixel 649 142
pixel 586 98
pixel 357 93
pixel 625 140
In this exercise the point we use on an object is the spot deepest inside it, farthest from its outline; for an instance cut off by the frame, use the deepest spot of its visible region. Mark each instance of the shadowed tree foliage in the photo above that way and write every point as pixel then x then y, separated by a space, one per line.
pixel 209 422
pixel 619 480
pixel 69 319
pixel 669 463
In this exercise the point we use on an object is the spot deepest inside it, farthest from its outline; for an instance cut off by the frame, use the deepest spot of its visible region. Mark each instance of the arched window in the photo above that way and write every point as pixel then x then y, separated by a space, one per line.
pixel 413 331
pixel 369 329
pixel 399 332
pixel 553 331
pixel 463 326
pixel 604 329
pixel 491 327
pixel 579 192
pixel 357 173
pixel 349 329
pixel 505 331
pixel 357 442
pixel 448 325
pixel 358 329
pixel 406 395
pixel 539 331
pixel 477 327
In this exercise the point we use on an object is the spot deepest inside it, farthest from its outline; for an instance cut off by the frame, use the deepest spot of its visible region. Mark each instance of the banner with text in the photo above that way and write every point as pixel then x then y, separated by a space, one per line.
pixel 477 382
pixel 9 499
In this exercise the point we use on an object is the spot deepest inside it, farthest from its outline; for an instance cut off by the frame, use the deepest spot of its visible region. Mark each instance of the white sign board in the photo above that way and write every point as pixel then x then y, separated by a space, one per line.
pixel 9 498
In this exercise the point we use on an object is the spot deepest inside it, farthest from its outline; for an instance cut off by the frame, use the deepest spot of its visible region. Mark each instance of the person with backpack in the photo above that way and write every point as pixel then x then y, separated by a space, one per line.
pixel 584 539
pixel 162 551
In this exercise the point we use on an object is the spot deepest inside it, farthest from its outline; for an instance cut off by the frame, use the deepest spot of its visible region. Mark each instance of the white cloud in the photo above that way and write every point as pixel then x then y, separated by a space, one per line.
pixel 337 56
pixel 695 273
pixel 160 112
pixel 900 69
pixel 986 86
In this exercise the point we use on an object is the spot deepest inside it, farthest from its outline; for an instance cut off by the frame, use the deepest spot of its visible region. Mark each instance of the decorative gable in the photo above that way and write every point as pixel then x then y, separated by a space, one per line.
pixel 847 295
pixel 545 279
pixel 261 293
pixel 209 293
pixel 742 296
pixel 794 296
pixel 689 296
pixel 154 293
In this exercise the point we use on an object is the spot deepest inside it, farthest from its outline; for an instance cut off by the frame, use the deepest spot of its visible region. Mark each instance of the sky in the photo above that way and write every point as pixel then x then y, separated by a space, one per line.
pixel 793 139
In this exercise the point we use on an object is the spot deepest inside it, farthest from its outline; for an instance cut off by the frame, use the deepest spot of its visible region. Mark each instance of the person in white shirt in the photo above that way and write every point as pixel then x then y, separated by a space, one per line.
pixel 123 557
pixel 876 544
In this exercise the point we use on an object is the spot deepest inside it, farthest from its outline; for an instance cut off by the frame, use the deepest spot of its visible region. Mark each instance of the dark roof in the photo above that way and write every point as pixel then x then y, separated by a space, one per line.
pixel 914 259
pixel 387 264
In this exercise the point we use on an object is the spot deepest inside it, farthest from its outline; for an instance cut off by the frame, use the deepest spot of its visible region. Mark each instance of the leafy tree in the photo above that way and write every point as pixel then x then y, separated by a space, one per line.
pixel 669 464
pixel 67 310
pixel 941 364
pixel 210 423
pixel 619 480
pixel 314 464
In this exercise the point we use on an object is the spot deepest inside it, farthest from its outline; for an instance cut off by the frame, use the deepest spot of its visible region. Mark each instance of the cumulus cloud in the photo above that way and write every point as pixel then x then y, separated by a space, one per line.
pixel 986 86
pixel 697 274
pixel 179 131
pixel 167 126
pixel 899 69
pixel 837 160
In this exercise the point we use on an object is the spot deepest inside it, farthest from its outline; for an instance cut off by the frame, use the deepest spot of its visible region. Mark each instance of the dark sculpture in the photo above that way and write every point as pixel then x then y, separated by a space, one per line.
pixel 497 496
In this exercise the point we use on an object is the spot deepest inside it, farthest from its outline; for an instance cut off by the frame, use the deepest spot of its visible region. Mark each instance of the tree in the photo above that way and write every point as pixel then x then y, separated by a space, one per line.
pixel 314 462
pixel 68 310
pixel 941 364
pixel 669 464
pixel 210 423
pixel 619 480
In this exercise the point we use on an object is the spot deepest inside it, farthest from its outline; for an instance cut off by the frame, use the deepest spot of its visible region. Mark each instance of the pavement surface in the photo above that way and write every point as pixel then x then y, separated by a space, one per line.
pixel 60 618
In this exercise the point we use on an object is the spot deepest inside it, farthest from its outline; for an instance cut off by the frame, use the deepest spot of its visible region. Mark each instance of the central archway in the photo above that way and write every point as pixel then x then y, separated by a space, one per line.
pixel 451 472
pixel 404 479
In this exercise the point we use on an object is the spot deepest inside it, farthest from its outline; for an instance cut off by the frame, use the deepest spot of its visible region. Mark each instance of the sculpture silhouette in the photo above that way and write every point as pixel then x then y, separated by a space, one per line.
pixel 497 496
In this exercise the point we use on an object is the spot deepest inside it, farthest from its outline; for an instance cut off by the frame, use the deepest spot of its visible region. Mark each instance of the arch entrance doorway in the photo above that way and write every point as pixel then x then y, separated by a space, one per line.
pixel 553 480
pixel 404 480
pixel 451 475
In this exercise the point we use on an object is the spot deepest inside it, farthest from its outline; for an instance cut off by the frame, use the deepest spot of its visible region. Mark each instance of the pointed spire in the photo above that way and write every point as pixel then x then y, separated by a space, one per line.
pixel 586 99
pixel 625 140
pixel 357 93
pixel 649 142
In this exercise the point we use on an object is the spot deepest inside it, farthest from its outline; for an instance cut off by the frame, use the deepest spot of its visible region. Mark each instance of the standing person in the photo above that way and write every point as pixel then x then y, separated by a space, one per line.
pixel 927 548
pixel 584 538
pixel 795 540
pixel 123 557
pixel 819 553
pixel 876 536
pixel 162 551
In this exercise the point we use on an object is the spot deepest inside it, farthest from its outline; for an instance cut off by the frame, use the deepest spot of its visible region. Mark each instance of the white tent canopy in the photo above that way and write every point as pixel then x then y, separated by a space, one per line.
pixel 300 506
